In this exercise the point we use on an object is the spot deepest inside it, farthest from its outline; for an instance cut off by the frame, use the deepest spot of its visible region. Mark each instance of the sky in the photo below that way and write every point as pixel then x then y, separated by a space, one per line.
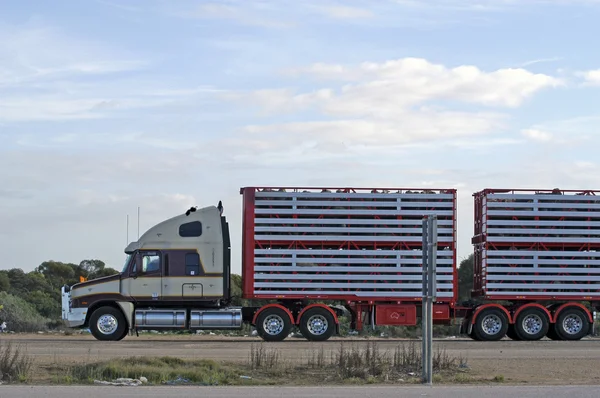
pixel 111 105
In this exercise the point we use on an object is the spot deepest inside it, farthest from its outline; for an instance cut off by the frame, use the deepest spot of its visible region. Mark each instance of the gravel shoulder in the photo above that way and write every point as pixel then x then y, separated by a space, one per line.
pixel 542 362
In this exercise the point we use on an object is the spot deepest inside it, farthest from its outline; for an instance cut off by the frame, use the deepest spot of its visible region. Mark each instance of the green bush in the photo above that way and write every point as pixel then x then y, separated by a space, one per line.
pixel 19 315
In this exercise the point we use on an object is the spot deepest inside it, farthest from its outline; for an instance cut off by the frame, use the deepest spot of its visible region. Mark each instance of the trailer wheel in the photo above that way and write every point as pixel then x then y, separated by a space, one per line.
pixel 273 324
pixel 511 333
pixel 571 324
pixel 532 324
pixel 491 325
pixel 552 333
pixel 108 324
pixel 317 324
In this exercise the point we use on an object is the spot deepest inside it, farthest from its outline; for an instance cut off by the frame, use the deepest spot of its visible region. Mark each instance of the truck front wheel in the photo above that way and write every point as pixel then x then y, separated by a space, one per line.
pixel 108 324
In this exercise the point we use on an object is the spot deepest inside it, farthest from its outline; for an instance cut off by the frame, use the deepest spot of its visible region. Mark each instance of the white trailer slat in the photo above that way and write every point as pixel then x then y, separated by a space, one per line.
pixel 585 293
pixel 349 238
pixel 354 195
pixel 542 231
pixel 518 206
pixel 364 293
pixel 393 261
pixel 335 285
pixel 417 213
pixel 534 213
pixel 347 221
pixel 541 270
pixel 543 278
pixel 352 270
pixel 337 277
pixel 348 230
pixel 346 203
pixel 549 197
pixel 347 252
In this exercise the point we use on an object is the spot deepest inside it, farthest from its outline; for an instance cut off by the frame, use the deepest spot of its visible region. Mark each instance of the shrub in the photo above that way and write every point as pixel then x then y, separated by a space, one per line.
pixel 19 315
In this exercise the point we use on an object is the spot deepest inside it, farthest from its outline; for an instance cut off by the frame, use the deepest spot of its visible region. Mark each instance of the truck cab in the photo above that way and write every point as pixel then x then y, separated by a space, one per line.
pixel 175 276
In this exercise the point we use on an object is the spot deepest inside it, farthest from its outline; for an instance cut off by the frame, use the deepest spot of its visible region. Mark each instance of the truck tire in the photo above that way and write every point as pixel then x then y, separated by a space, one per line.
pixel 317 324
pixel 491 324
pixel 108 324
pixel 572 324
pixel 273 324
pixel 532 324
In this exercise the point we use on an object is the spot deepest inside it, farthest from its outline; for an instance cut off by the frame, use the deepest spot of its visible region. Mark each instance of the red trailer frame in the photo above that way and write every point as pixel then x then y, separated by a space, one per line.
pixel 250 244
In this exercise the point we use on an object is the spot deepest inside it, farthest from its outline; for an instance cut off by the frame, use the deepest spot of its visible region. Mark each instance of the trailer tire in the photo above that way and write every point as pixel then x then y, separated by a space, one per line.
pixel 552 333
pixel 491 324
pixel 532 324
pixel 273 324
pixel 571 324
pixel 512 334
pixel 317 324
pixel 108 324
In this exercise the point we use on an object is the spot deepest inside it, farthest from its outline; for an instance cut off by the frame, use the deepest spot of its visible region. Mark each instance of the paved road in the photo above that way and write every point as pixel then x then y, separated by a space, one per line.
pixel 301 392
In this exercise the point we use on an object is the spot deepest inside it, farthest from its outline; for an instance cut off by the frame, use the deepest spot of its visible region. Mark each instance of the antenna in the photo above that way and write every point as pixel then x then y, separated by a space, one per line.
pixel 138 222
pixel 127 230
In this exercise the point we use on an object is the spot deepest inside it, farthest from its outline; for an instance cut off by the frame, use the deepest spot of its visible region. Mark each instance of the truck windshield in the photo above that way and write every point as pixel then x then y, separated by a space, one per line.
pixel 126 263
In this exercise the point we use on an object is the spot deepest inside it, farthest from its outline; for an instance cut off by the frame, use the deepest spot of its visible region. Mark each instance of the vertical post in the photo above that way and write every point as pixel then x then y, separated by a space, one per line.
pixel 424 316
pixel 429 293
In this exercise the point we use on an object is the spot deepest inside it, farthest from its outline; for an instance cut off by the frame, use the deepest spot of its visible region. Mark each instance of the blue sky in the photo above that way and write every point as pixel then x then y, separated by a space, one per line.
pixel 108 105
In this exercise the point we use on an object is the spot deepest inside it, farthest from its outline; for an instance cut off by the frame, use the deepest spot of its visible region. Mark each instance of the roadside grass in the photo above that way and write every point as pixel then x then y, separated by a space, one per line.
pixel 348 363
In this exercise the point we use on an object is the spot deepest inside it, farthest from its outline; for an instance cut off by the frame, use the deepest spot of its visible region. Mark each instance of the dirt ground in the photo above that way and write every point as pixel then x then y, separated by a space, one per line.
pixel 541 362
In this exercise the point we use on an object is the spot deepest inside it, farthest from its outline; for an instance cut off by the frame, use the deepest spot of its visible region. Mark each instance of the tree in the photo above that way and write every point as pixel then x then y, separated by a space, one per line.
pixel 90 269
pixel 4 281
pixel 465 278
pixel 57 273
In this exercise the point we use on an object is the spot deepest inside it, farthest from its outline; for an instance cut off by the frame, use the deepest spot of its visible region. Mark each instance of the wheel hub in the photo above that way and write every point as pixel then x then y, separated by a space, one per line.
pixel 532 324
pixel 107 324
pixel 273 324
pixel 572 324
pixel 317 324
pixel 491 324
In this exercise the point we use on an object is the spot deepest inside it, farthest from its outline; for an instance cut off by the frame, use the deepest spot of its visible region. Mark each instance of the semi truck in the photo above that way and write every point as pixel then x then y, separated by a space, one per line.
pixel 310 255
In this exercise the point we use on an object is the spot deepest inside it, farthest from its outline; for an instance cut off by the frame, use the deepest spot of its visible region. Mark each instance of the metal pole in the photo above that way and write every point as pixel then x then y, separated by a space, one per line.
pixel 431 291
pixel 424 312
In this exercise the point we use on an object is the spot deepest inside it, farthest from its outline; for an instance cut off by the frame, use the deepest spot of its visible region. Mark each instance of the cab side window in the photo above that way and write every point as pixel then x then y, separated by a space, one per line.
pixel 147 263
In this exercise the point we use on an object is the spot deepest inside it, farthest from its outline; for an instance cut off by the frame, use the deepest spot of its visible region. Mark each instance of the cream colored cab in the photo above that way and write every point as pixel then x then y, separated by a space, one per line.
pixel 179 259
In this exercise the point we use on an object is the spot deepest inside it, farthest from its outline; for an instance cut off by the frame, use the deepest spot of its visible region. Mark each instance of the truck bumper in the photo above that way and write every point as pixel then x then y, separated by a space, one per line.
pixel 71 317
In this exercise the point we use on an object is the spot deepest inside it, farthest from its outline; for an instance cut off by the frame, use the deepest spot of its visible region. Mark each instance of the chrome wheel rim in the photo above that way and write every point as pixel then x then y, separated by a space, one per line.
pixel 532 324
pixel 317 324
pixel 491 324
pixel 107 324
pixel 273 324
pixel 572 324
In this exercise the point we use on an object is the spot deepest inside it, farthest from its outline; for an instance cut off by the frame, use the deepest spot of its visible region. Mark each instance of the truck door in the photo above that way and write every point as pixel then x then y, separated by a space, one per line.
pixel 145 281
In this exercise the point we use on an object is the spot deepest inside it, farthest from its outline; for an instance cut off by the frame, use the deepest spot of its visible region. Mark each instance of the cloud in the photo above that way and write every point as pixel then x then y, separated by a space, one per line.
pixel 537 135
pixel 394 104
pixel 569 133
pixel 591 77
pixel 37 51
pixel 410 81
pixel 346 12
